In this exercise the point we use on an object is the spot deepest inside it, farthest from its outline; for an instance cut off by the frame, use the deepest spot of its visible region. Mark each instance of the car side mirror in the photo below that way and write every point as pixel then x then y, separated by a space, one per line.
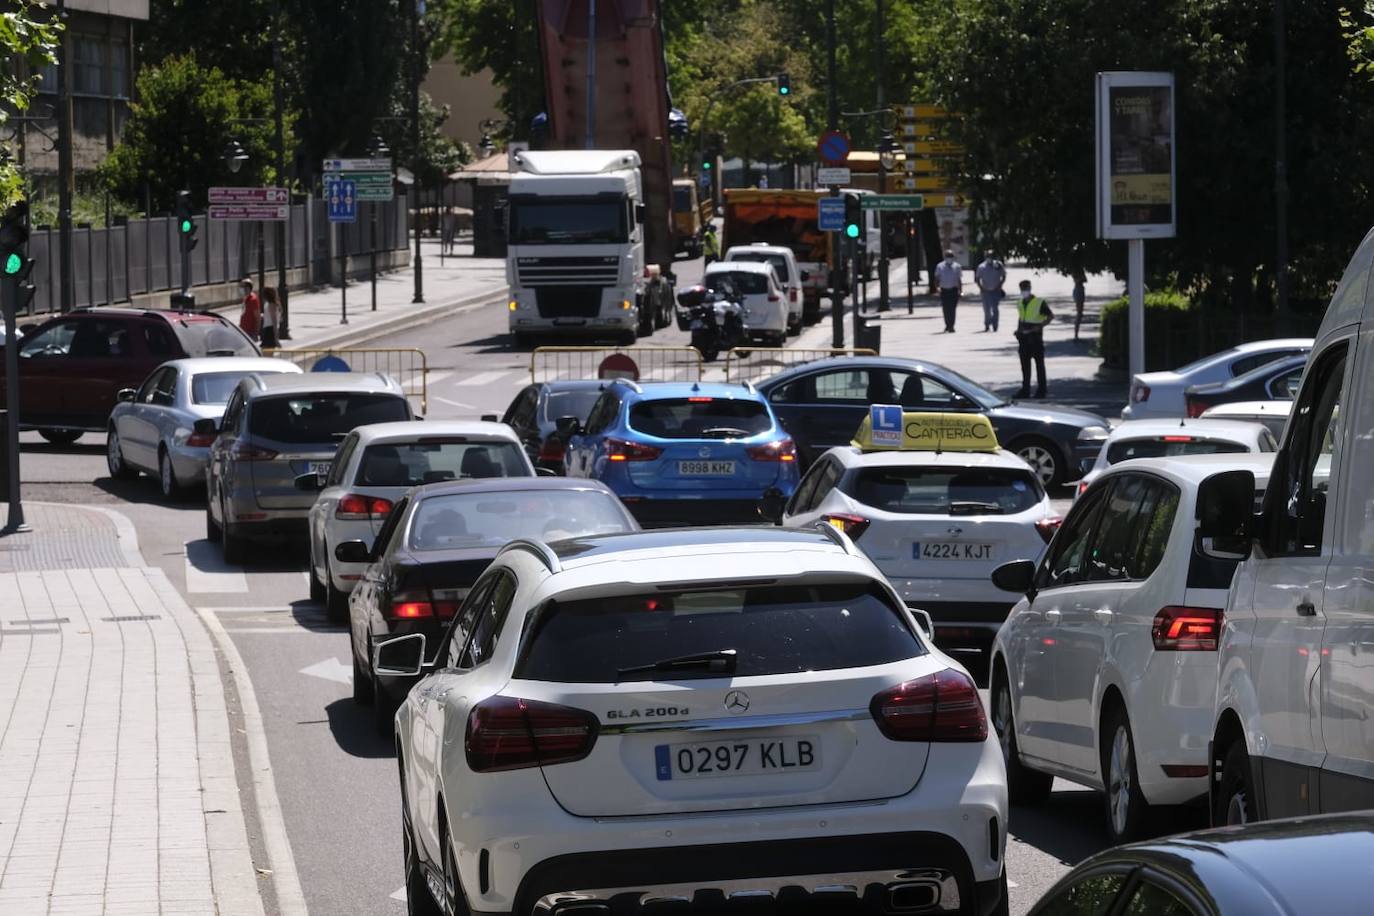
pixel 544 472
pixel 923 621
pixel 403 656
pixel 772 505
pixel 28 328
pixel 1016 576
pixel 640 211
pixel 205 427
pixel 309 483
pixel 353 552
pixel 126 395
pixel 490 418
pixel 1225 507
pixel 805 275
pixel 568 427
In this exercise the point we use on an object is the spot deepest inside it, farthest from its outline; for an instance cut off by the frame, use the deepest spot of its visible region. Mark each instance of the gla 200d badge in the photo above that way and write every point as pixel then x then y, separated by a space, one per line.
pixel 648 712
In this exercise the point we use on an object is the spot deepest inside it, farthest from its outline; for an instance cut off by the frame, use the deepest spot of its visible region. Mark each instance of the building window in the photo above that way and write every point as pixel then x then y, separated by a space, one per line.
pixel 99 67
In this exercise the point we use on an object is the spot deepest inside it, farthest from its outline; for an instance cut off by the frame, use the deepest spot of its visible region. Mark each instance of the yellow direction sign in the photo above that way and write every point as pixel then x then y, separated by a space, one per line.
pixel 933 148
pixel 947 432
pixel 939 183
pixel 924 110
pixel 917 166
pixel 920 128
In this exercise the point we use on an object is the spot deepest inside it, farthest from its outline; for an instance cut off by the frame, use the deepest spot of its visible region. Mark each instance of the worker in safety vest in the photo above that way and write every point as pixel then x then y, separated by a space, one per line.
pixel 711 245
pixel 1032 314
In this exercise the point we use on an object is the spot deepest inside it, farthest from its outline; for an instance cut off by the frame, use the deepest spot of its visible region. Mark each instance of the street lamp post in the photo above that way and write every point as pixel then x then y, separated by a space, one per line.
pixel 279 139
pixel 66 278
pixel 376 149
pixel 417 10
pixel 886 158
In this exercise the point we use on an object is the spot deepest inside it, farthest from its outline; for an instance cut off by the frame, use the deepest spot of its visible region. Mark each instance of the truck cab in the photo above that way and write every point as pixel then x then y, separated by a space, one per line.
pixel 691 214
pixel 575 262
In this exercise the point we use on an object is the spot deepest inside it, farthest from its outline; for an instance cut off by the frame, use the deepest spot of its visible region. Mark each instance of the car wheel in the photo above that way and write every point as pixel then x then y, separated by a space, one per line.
pixel 231 543
pixel 419 901
pixel 362 680
pixel 384 708
pixel 1024 785
pixel 317 593
pixel 627 339
pixel 213 531
pixel 1044 459
pixel 1003 907
pixel 1234 801
pixel 1127 809
pixel 60 436
pixel 114 458
pixel 335 601
pixel 167 475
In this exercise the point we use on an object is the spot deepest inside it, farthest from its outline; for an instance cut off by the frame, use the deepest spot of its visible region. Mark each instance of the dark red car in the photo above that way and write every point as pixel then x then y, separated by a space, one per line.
pixel 72 366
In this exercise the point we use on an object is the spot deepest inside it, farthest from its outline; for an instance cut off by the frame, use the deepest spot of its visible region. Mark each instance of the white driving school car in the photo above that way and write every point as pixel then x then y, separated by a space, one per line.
pixel 708 718
pixel 935 522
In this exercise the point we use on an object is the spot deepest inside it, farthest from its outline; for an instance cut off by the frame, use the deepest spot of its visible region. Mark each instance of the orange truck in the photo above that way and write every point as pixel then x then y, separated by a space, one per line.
pixel 691 214
pixel 786 218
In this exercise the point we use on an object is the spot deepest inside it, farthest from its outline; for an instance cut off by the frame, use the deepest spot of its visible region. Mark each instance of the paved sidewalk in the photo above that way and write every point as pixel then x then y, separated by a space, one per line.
pixel 117 784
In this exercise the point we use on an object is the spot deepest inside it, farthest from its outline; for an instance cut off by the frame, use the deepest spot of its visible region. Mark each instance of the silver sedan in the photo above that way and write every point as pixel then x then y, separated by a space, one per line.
pixel 152 428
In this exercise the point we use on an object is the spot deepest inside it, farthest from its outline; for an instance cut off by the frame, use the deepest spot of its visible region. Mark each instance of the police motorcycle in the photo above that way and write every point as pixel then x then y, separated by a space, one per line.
pixel 715 318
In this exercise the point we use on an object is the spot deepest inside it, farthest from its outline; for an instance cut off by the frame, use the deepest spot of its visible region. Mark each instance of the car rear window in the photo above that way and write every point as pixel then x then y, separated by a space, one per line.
pixel 320 418
pixel 778 261
pixel 457 521
pixel 700 418
pixel 215 387
pixel 212 337
pixel 570 404
pixel 947 491
pixel 409 464
pixel 737 282
pixel 773 629
pixel 1171 446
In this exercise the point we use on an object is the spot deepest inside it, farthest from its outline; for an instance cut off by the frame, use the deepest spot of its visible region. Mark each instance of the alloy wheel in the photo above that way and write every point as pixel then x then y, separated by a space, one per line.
pixel 1041 462
pixel 166 476
pixel 1119 786
pixel 1001 721
pixel 1238 808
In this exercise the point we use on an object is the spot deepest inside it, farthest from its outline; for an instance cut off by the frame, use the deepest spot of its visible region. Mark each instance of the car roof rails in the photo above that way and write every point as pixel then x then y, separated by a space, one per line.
pixel 634 386
pixel 541 550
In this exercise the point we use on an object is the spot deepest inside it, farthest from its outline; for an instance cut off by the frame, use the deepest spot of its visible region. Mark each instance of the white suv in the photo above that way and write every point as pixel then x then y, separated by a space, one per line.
pixel 790 276
pixel 758 289
pixel 1106 671
pixel 699 715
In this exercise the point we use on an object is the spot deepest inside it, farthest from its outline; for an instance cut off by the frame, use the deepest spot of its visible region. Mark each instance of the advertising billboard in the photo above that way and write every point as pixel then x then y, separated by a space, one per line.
pixel 1136 184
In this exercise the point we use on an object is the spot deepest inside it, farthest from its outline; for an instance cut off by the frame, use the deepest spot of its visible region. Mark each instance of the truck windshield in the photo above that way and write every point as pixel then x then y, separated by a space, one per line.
pixel 569 221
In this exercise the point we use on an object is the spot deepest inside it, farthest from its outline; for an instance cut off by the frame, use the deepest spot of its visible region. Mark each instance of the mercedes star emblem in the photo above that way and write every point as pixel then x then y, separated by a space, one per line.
pixel 737 701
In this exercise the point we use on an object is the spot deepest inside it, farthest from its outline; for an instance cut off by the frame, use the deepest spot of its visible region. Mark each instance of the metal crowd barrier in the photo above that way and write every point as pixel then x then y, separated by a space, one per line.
pixel 748 364
pixel 406 365
pixel 651 364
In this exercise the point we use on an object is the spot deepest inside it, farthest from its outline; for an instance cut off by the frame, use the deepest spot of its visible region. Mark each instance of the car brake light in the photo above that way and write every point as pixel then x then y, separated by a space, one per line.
pixel 243 452
pixel 201 440
pixel 699 400
pixel 620 450
pixel 508 733
pixel 791 295
pixel 1178 438
pixel 943 706
pixel 1187 629
pixel 852 525
pixel 418 605
pixel 774 297
pixel 1195 409
pixel 552 449
pixel 781 450
pixel 361 508
pixel 1140 393
pixel 1082 488
pixel 1048 526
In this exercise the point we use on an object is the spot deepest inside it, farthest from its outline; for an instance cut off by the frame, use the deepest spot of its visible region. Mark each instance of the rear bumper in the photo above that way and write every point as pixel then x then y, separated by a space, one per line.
pixel 1084 457
pixel 659 512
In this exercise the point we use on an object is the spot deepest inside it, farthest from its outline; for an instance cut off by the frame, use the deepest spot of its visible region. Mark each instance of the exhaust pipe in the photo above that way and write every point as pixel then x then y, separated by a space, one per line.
pixel 912 896
pixel 582 908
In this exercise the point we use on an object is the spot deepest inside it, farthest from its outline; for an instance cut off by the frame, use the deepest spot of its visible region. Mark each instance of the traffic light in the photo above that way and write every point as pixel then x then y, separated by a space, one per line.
pixel 186 223
pixel 784 84
pixel 853 216
pixel 15 266
pixel 707 164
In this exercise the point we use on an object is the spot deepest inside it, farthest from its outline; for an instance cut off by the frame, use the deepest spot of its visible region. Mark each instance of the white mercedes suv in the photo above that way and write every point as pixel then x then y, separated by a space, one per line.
pixel 694 719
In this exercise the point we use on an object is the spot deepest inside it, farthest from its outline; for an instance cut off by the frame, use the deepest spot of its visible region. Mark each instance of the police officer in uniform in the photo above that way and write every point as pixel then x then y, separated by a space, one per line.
pixel 711 245
pixel 1032 314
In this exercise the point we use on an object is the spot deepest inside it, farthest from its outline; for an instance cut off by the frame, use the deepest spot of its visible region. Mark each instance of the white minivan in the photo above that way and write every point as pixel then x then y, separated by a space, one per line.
pixel 758 289
pixel 790 277
pixel 1293 732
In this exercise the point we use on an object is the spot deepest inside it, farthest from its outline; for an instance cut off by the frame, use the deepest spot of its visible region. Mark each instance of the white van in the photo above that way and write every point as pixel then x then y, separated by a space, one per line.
pixel 784 262
pixel 1292 730
pixel 758 289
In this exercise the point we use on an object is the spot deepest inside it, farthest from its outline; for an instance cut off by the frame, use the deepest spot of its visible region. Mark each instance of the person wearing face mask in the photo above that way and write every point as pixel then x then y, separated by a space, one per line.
pixel 251 319
pixel 949 273
pixel 1032 314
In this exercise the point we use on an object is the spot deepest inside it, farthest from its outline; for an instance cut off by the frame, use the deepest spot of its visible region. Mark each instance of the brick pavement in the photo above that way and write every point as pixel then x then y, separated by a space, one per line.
pixel 117 786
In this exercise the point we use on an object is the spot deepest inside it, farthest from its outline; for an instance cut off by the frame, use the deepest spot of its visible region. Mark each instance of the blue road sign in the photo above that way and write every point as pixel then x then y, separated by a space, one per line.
pixel 833 147
pixel 830 214
pixel 342 195
pixel 886 422
pixel 330 363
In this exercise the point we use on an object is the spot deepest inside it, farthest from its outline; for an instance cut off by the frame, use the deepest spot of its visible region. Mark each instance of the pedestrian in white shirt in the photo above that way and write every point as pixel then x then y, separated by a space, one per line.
pixel 991 276
pixel 949 273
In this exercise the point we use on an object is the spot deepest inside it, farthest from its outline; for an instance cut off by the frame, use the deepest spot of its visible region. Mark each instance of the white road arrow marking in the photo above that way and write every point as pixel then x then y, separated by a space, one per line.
pixel 331 669
pixel 400 895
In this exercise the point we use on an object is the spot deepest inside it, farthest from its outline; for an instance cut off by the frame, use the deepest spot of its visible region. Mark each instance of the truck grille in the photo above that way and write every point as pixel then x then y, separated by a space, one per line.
pixel 602 270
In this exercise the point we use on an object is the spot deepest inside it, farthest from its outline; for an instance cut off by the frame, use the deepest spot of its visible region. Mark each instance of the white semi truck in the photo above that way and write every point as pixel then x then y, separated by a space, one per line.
pixel 575 262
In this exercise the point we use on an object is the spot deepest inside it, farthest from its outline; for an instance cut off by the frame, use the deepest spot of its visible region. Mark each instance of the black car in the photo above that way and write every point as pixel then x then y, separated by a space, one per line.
pixel 1275 381
pixel 534 413
pixel 822 403
pixel 435 543
pixel 1307 865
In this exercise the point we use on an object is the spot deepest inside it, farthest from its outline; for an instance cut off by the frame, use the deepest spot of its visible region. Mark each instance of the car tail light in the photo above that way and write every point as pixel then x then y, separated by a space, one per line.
pixel 241 451
pixel 420 605
pixel 1139 393
pixel 943 706
pixel 852 525
pixel 620 450
pixel 1195 408
pixel 1048 526
pixel 774 297
pixel 361 508
pixel 552 449
pixel 507 733
pixel 1187 629
pixel 1082 488
pixel 781 450
pixel 791 295
pixel 201 440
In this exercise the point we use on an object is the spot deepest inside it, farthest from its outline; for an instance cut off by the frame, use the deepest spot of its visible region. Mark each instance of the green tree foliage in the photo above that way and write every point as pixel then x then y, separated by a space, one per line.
pixel 233 37
pixel 439 154
pixel 179 127
pixel 28 42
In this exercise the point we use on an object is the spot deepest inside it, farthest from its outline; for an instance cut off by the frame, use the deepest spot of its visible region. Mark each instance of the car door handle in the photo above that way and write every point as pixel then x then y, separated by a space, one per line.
pixel 1053 615
pixel 1103 614
pixel 1306 609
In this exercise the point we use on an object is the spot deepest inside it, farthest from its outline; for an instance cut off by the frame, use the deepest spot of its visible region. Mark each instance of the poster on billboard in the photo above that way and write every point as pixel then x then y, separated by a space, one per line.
pixel 953 225
pixel 1136 186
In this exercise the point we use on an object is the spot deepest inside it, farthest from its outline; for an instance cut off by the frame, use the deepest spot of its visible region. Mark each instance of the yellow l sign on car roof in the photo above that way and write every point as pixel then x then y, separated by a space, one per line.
pixel 933 432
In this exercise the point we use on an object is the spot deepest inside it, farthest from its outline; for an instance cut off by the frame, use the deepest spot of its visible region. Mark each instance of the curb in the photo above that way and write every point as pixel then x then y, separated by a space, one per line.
pixel 413 318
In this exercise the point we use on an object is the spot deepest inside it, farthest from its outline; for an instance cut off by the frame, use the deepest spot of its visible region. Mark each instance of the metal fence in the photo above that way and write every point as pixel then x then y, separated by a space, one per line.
pixel 745 364
pixel 407 366
pixel 650 364
pixel 111 265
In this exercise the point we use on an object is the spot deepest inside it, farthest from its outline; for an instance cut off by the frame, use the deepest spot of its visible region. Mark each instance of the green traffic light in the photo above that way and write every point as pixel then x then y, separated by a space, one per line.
pixel 185 227
pixel 13 264
pixel 784 90
pixel 852 230
pixel 706 165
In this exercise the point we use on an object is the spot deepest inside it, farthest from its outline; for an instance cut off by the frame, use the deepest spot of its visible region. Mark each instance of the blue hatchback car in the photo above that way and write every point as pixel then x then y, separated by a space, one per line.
pixel 683 452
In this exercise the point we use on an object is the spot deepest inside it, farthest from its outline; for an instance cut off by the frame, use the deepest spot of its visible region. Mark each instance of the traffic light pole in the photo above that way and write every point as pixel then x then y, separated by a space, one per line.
pixel 9 292
pixel 833 123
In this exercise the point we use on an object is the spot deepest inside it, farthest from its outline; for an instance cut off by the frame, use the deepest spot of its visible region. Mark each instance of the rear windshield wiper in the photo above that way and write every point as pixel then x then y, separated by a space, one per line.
pixel 725 432
pixel 721 661
pixel 970 507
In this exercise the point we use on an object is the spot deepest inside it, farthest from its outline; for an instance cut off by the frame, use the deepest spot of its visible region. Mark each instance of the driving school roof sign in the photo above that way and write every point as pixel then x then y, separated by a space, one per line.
pixel 932 432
